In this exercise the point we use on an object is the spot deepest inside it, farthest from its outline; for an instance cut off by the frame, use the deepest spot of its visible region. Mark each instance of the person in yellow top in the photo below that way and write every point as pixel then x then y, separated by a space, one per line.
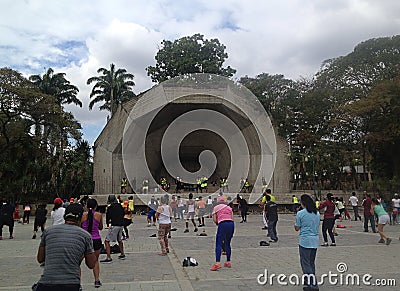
pixel 296 204
pixel 124 184
pixel 131 203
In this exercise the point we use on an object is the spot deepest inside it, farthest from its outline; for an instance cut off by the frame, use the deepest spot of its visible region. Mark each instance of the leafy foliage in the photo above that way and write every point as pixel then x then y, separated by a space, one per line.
pixel 189 54
pixel 36 137
pixel 113 87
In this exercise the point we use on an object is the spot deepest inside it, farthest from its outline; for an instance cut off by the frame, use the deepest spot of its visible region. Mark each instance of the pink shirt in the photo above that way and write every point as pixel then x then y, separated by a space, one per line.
pixel 224 212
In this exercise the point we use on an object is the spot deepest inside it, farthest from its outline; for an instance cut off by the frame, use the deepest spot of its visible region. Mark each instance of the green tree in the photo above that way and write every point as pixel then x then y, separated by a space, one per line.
pixel 32 160
pixel 56 85
pixel 113 87
pixel 189 54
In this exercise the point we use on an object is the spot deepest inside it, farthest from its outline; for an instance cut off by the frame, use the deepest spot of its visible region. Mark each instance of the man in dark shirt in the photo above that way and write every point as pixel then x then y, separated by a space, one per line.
pixel 62 249
pixel 115 215
pixel 271 216
pixel 367 213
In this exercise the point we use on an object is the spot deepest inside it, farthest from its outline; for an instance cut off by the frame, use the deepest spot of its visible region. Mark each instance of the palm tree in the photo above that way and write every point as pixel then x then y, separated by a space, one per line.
pixel 56 85
pixel 113 87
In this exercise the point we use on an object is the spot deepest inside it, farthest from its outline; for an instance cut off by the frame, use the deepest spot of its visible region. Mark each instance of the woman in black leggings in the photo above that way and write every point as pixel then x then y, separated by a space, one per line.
pixel 329 219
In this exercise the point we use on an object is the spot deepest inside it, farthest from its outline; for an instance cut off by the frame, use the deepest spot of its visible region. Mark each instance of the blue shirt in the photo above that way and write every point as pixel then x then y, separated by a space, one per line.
pixel 309 226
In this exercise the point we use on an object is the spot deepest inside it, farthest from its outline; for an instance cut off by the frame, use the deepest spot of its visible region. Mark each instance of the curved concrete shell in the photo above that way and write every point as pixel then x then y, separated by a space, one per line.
pixel 189 127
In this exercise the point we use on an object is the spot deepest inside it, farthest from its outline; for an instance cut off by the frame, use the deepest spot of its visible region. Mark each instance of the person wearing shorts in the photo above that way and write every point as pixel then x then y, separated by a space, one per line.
pixel 116 215
pixel 383 219
pixel 191 210
pixel 151 215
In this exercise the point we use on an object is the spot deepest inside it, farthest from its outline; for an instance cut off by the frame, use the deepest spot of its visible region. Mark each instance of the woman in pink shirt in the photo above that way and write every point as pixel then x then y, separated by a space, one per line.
pixel 223 217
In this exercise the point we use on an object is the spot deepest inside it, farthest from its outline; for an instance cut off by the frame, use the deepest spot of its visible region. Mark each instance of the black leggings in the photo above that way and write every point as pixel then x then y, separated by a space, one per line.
pixel 243 212
pixel 327 225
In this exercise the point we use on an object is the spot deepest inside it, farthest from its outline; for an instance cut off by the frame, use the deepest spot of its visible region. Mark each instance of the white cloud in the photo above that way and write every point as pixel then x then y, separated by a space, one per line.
pixel 290 37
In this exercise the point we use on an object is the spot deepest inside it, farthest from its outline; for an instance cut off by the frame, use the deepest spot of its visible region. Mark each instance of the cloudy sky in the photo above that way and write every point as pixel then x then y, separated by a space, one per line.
pixel 290 37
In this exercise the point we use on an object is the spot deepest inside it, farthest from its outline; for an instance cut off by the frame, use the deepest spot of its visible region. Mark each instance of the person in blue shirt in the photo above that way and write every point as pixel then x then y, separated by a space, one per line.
pixel 307 222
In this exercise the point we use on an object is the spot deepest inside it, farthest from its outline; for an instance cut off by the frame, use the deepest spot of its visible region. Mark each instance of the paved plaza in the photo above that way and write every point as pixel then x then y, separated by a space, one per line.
pixel 145 270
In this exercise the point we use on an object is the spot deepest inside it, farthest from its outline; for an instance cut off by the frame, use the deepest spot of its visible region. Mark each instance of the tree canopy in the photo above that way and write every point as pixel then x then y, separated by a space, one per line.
pixel 189 54
pixel 113 87
pixel 37 137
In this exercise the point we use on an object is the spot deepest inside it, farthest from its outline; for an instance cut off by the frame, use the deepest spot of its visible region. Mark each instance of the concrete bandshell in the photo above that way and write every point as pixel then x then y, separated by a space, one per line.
pixel 150 116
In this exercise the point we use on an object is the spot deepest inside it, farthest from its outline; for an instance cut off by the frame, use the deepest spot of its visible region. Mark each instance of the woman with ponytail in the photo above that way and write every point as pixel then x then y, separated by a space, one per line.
pixel 92 222
pixel 307 222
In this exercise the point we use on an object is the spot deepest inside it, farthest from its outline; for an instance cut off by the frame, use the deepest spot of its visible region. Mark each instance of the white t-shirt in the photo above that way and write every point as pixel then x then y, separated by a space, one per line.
pixel 164 217
pixel 57 216
pixel 396 202
pixel 353 200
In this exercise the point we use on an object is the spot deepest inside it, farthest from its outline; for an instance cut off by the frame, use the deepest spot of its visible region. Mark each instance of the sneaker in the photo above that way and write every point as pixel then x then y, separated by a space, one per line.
pixel 186 230
pixel 264 228
pixel 228 264
pixel 169 236
pixel 154 224
pixel 381 241
pixel 215 267
pixel 34 236
pixel 388 241
pixel 122 257
pixel 97 284
pixel 223 253
pixel 196 229
pixel 11 237
pixel 325 244
pixel 333 244
pixel 106 261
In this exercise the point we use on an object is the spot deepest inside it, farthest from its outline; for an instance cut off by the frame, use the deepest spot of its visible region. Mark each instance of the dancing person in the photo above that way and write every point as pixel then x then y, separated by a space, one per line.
pixel 92 222
pixel 151 214
pixel 367 202
pixel 40 219
pixel 164 214
pixel 116 215
pixel 354 203
pixel 329 219
pixel 223 218
pixel 190 210
pixel 127 220
pixel 243 207
pixel 62 249
pixel 307 222
pixel 27 213
pixel 383 219
pixel 57 214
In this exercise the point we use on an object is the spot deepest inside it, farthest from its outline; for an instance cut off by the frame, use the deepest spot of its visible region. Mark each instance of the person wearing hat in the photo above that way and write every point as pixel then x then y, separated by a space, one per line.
pixel 57 214
pixel 116 215
pixel 62 248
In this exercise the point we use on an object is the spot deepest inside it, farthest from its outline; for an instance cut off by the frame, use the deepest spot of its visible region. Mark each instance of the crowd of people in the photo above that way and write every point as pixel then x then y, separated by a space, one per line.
pixel 76 227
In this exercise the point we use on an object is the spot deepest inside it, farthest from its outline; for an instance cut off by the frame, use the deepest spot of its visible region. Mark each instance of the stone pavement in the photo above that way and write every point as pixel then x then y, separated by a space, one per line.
pixel 145 270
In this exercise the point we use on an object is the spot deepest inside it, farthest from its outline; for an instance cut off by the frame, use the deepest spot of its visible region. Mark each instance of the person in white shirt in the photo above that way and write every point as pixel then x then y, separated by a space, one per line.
pixel 164 214
pixel 57 214
pixel 354 202
pixel 396 205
